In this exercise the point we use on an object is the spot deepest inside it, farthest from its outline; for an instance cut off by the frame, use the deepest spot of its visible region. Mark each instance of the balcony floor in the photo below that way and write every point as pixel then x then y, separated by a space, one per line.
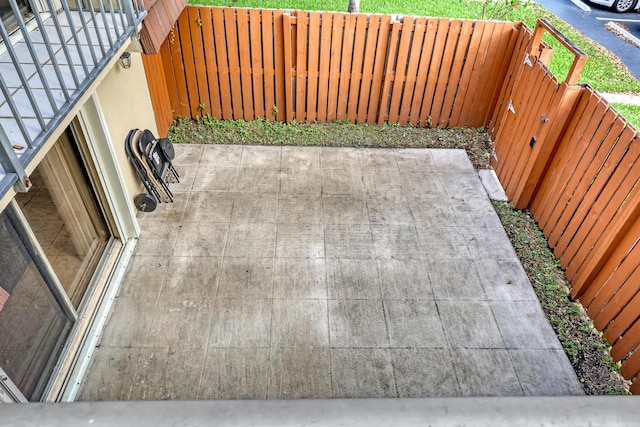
pixel 325 272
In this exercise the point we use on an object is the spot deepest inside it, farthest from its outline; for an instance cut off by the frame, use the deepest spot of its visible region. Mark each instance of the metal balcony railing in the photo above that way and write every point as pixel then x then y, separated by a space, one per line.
pixel 46 65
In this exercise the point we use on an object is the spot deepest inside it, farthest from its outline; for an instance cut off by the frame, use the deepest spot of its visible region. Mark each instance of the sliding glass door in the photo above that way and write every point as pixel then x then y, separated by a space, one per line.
pixel 52 240
pixel 33 322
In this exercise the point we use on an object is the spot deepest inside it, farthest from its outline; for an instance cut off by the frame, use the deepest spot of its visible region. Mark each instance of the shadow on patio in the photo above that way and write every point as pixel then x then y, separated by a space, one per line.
pixel 287 272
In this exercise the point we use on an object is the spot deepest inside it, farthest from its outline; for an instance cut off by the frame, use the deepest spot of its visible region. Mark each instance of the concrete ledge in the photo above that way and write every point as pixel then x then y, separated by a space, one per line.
pixel 492 185
pixel 511 411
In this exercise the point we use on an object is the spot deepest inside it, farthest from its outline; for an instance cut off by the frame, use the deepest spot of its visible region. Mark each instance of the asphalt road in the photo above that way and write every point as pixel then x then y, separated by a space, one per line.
pixel 592 24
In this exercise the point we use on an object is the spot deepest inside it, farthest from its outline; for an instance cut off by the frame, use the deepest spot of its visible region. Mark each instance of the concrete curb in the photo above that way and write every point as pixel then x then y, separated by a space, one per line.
pixel 492 185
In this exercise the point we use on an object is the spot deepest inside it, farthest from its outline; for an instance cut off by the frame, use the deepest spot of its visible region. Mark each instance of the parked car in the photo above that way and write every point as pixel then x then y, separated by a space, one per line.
pixel 619 5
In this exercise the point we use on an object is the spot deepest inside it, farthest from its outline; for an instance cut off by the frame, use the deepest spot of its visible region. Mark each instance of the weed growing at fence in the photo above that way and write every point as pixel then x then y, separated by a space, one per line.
pixel 336 134
pixel 583 344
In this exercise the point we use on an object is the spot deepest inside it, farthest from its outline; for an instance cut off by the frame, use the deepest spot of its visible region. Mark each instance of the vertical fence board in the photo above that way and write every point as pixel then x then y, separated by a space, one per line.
pixel 456 70
pixel 268 64
pixel 442 84
pixel 180 77
pixel 387 83
pixel 375 109
pixel 188 59
pixel 243 44
pixel 334 66
pixel 325 61
pixel 356 68
pixel 415 54
pixel 421 82
pixel 257 55
pixel 635 386
pixel 288 65
pixel 510 38
pixel 204 105
pixel 158 90
pixel 211 63
pixel 278 46
pixel 233 56
pixel 399 70
pixel 490 74
pixel 348 35
pixel 313 70
pixel 469 114
pixel 458 118
pixel 170 76
pixel 301 66
pixel 503 39
pixel 223 65
pixel 434 70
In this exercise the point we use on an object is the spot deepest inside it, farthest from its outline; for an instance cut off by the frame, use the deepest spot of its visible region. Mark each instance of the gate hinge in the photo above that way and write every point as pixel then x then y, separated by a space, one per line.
pixel 527 61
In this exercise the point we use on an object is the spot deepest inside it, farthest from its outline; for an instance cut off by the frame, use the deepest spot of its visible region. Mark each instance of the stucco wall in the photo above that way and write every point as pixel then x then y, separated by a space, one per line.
pixel 126 104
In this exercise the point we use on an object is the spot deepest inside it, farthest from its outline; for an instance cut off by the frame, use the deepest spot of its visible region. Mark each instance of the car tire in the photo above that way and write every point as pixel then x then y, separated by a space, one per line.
pixel 622 6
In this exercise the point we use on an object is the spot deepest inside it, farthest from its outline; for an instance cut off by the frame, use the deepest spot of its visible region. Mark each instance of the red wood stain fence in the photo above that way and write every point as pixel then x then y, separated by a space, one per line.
pixel 318 66
pixel 559 148
pixel 563 152
pixel 154 71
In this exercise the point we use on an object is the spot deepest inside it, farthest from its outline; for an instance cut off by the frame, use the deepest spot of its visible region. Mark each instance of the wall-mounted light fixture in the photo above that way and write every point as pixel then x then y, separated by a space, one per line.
pixel 125 60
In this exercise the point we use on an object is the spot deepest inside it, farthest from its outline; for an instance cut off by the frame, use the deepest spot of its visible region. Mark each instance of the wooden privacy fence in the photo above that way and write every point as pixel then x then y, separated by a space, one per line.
pixel 563 152
pixel 559 149
pixel 321 66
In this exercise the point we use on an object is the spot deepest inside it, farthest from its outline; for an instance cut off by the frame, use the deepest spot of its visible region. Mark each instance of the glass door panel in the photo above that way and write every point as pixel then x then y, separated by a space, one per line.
pixel 65 217
pixel 33 326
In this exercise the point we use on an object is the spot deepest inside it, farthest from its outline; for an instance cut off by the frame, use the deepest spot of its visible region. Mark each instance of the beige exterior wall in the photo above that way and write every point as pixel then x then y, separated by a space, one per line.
pixel 126 104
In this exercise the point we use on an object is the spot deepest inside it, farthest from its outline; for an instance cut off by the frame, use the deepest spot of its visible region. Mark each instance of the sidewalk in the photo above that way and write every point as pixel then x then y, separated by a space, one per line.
pixel 622 98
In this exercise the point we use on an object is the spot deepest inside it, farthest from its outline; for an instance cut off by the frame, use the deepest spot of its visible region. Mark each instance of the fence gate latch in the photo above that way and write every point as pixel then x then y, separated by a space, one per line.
pixel 533 141
pixel 527 61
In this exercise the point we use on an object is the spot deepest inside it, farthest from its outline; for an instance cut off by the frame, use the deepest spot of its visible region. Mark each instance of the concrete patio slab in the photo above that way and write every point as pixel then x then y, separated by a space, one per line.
pixel 308 272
